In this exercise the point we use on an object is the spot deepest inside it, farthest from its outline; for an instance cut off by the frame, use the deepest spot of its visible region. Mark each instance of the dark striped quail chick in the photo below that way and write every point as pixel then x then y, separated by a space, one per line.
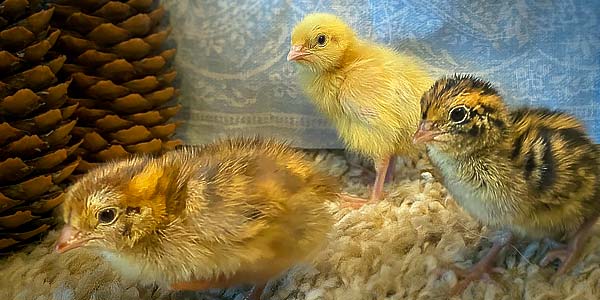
pixel 531 173
pixel 239 211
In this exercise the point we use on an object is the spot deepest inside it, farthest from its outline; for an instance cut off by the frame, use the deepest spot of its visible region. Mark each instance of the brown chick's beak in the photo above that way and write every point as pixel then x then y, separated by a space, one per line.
pixel 425 133
pixel 69 238
pixel 297 52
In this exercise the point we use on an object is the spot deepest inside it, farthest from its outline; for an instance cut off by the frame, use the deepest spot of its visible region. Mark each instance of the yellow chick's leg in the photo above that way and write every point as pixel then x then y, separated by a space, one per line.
pixel 381 169
pixel 569 254
pixel 482 268
pixel 389 176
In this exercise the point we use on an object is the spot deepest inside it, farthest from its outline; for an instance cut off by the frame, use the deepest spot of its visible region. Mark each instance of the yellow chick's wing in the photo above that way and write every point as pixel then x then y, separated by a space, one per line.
pixel 361 93
pixel 379 108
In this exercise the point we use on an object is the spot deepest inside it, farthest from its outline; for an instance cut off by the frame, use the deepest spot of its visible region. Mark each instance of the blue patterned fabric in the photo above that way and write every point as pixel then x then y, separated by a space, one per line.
pixel 235 79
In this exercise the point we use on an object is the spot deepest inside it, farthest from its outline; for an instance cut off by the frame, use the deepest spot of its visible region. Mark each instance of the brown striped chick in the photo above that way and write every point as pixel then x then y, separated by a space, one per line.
pixel 369 92
pixel 239 211
pixel 530 172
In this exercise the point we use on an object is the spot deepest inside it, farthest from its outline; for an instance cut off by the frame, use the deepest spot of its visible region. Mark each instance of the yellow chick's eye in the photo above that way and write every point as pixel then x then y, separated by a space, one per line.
pixel 458 114
pixel 321 40
pixel 107 216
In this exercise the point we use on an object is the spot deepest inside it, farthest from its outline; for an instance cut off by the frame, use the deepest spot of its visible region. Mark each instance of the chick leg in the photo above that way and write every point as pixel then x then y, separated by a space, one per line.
pixel 381 169
pixel 569 254
pixel 482 268
pixel 200 285
pixel 256 292
pixel 389 176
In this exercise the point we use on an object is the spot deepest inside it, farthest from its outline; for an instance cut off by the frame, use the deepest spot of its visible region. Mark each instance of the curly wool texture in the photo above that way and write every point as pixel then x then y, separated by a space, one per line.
pixel 398 249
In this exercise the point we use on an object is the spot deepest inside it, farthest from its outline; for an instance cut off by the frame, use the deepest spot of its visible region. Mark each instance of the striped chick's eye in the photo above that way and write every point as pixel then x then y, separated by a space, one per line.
pixel 107 216
pixel 458 114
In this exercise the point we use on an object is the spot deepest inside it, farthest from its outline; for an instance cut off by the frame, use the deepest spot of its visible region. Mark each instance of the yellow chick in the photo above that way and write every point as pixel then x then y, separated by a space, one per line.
pixel 371 93
pixel 529 172
pixel 240 211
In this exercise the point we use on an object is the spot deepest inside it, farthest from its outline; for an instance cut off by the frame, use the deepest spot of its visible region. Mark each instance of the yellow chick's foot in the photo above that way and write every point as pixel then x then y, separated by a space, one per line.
pixel 569 254
pixel 483 268
pixel 355 202
pixel 382 168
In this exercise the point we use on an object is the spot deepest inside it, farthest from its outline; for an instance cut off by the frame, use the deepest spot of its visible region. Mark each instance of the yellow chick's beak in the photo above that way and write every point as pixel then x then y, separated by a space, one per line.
pixel 69 238
pixel 297 52
pixel 425 133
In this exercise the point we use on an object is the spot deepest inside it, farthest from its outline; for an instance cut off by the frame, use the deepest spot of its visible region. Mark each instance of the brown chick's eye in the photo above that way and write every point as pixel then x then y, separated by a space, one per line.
pixel 321 39
pixel 458 114
pixel 107 216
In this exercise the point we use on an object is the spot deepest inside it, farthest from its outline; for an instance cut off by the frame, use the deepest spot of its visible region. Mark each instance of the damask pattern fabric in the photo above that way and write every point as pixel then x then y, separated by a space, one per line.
pixel 234 77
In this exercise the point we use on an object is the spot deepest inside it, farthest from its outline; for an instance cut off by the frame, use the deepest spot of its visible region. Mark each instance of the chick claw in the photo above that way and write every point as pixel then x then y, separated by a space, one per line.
pixel 484 267
pixel 255 293
pixel 569 254
pixel 354 201
pixel 477 272
pixel 377 193
pixel 200 285
pixel 566 256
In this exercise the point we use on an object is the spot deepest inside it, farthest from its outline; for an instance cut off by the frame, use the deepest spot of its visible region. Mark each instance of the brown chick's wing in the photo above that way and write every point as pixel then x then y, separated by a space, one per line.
pixel 237 183
pixel 269 196
pixel 264 213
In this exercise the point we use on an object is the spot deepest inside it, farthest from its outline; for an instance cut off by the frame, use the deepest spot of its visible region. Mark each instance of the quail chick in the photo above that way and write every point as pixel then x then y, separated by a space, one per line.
pixel 369 92
pixel 240 211
pixel 530 172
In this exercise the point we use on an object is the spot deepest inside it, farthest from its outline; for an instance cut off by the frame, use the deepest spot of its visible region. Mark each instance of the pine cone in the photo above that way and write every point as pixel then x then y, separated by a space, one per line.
pixel 121 78
pixel 36 120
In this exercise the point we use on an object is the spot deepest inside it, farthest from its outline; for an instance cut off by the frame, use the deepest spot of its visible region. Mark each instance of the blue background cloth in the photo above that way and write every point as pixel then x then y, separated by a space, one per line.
pixel 235 80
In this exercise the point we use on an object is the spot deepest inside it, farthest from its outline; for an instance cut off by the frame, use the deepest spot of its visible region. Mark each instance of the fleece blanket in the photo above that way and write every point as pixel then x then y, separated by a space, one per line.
pixel 400 248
